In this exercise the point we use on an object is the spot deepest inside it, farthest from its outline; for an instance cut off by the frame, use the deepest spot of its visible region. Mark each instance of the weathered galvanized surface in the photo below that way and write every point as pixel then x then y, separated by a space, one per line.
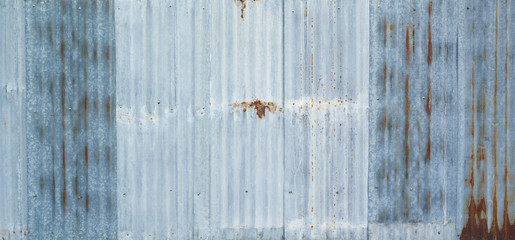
pixel 255 119
pixel 71 144
pixel 326 127
pixel 13 180
pixel 413 79
pixel 486 95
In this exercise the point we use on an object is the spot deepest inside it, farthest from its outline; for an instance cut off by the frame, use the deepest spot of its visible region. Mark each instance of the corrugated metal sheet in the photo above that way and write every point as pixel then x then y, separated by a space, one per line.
pixel 413 91
pixel 256 119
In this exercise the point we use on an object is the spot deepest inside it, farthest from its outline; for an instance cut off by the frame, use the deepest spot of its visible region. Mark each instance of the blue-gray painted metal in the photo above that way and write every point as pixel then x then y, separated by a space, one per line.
pixel 70 141
pixel 252 119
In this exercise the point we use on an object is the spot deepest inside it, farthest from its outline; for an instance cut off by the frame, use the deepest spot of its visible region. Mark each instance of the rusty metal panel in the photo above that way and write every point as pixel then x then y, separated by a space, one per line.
pixel 413 119
pixel 486 186
pixel 71 145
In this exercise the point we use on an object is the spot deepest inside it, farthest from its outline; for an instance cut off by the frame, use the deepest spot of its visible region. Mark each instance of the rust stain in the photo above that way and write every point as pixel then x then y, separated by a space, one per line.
pixel 477 226
pixel 407 44
pixel 258 105
pixel 385 71
pixel 429 44
pixel 108 107
pixel 62 51
pixel 87 202
pixel 385 32
pixel 86 155
pixel 243 6
pixel 107 53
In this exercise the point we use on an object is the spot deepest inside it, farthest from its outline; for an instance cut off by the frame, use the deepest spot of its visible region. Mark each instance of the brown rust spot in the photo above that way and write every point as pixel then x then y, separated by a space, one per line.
pixel 385 76
pixel 429 44
pixel 108 107
pixel 243 6
pixel 258 105
pixel 406 130
pixel 62 51
pixel 87 202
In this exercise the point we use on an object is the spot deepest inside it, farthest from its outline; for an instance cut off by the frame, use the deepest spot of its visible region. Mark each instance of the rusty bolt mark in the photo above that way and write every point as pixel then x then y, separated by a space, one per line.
pixel 258 105
pixel 243 6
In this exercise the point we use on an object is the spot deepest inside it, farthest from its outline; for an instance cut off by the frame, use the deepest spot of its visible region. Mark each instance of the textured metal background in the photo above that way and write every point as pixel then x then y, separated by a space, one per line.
pixel 257 119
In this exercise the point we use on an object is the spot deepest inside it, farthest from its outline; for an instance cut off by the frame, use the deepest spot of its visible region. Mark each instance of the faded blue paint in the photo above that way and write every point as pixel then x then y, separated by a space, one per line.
pixel 71 144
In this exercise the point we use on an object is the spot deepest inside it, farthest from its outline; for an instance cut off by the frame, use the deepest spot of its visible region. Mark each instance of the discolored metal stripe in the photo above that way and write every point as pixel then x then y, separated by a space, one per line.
pixel 412 122
pixel 71 145
pixel 486 208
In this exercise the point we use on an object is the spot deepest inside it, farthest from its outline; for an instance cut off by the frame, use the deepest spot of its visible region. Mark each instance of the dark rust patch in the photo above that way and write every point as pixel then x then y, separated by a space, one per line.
pixel 429 44
pixel 107 53
pixel 258 105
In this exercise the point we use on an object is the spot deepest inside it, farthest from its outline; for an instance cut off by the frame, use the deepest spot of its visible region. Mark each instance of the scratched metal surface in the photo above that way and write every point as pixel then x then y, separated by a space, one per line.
pixel 260 119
